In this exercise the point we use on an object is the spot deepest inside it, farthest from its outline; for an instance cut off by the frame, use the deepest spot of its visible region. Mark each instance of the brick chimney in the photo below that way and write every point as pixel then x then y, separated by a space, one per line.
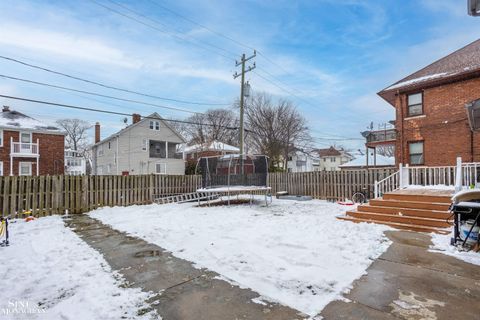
pixel 136 118
pixel 97 132
pixel 6 109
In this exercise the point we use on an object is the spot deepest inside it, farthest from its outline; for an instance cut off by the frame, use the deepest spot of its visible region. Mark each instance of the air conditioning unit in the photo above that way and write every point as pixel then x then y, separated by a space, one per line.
pixel 473 113
pixel 474 7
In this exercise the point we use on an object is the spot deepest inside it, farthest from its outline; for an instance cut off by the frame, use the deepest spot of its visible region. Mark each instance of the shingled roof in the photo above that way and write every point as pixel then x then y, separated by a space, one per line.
pixel 330 152
pixel 459 65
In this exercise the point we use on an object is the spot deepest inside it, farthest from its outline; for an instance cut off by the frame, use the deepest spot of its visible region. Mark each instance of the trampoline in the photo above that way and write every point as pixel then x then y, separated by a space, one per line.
pixel 234 174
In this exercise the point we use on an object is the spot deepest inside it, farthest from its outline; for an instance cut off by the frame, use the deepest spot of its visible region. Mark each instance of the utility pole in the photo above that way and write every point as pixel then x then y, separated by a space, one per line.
pixel 242 95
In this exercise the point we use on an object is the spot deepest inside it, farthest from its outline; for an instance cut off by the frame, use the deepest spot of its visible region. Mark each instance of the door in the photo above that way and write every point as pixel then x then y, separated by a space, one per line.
pixel 25 142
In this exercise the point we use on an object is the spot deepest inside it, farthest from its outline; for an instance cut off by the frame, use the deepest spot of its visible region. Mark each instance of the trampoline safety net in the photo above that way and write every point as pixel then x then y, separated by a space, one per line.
pixel 233 170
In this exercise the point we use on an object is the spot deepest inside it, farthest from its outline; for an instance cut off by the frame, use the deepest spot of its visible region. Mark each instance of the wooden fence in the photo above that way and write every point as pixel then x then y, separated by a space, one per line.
pixel 45 195
pixel 328 185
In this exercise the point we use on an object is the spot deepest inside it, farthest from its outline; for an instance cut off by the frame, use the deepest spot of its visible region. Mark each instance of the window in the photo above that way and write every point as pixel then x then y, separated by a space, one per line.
pixel 145 144
pixel 161 168
pixel 109 145
pixel 173 151
pixel 100 150
pixel 415 104
pixel 415 150
pixel 25 137
pixel 1 168
pixel 158 149
pixel 333 159
pixel 155 125
pixel 324 159
pixel 25 169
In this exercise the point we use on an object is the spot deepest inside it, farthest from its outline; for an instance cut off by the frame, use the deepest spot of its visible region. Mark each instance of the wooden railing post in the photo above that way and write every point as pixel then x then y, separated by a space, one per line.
pixel 458 177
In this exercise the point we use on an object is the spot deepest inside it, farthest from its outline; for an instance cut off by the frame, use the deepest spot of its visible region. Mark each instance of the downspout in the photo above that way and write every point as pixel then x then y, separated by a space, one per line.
pixel 471 147
pixel 400 112
pixel 116 151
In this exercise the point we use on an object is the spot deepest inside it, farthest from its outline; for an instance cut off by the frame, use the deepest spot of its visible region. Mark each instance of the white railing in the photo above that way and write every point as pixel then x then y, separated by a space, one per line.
pixel 470 175
pixel 431 176
pixel 21 148
pixel 389 184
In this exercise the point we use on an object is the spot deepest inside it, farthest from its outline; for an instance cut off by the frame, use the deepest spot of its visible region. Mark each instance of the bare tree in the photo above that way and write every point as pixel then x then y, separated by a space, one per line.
pixel 386 150
pixel 76 129
pixel 275 128
pixel 214 124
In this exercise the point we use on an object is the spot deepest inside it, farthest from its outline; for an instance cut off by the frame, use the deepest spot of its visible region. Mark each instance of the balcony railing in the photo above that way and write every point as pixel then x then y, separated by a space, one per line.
pixel 24 149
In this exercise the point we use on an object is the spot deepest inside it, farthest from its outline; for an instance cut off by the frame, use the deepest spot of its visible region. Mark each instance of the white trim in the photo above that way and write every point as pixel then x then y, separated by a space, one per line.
pixel 1 169
pixel 20 168
pixel 25 132
pixel 1 137
pixel 164 167
pixel 415 117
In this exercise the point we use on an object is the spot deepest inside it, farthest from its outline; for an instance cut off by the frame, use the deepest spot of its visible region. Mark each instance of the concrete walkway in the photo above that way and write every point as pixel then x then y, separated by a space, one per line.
pixel 408 282
pixel 184 292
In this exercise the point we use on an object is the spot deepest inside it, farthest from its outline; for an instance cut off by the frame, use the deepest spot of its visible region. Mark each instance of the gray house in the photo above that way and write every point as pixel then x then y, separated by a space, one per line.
pixel 148 145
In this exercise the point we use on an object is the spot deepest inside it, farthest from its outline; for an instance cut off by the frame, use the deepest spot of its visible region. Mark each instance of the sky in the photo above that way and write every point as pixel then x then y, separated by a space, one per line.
pixel 328 57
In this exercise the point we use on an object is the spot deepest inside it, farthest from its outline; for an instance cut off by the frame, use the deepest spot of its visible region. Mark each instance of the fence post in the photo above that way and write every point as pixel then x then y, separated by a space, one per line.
pixel 458 178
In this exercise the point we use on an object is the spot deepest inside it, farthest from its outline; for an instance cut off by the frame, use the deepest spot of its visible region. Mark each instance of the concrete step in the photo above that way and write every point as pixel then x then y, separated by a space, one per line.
pixel 417 198
pixel 409 204
pixel 433 214
pixel 419 221
pixel 403 226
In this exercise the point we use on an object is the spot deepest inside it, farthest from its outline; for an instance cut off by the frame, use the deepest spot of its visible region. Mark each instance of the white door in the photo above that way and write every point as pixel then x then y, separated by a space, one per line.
pixel 25 142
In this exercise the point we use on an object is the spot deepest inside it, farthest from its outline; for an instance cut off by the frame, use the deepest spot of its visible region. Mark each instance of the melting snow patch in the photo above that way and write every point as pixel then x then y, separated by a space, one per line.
pixel 293 252
pixel 441 243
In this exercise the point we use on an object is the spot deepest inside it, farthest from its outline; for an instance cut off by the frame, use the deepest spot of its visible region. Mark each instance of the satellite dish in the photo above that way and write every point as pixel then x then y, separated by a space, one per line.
pixel 474 7
pixel 125 120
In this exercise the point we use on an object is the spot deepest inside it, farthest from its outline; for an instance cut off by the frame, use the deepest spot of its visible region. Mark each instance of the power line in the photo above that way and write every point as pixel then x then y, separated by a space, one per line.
pixel 109 86
pixel 96 94
pixel 69 106
pixel 156 28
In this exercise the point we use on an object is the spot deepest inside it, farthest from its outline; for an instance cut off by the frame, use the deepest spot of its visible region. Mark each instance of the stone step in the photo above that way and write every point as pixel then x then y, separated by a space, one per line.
pixel 403 226
pixel 417 198
pixel 433 214
pixel 419 221
pixel 409 204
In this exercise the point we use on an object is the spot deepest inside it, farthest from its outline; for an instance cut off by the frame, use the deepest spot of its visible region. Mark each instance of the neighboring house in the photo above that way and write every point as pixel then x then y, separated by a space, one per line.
pixel 214 148
pixel 431 120
pixel 75 164
pixel 374 161
pixel 148 145
pixel 331 158
pixel 300 161
pixel 28 146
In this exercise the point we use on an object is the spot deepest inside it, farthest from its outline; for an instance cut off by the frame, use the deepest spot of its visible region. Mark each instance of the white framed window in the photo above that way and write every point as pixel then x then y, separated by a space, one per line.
pixel 25 169
pixel 25 137
pixel 145 144
pixel 1 168
pixel 1 139
pixel 160 168
pixel 415 104
pixel 155 125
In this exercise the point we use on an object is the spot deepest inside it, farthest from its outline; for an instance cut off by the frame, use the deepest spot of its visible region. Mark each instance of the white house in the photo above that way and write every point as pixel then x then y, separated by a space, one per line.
pixel 75 164
pixel 148 145
pixel 331 158
pixel 300 161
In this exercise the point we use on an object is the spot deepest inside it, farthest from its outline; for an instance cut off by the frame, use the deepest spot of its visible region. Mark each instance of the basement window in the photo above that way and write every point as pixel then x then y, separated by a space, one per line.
pixel 416 154
pixel 415 104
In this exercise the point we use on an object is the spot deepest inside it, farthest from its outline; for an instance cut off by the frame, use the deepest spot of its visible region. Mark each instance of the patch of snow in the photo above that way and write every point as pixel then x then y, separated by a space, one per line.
pixel 433 187
pixel 441 244
pixel 49 267
pixel 362 161
pixel 234 189
pixel 213 146
pixel 295 253
pixel 417 80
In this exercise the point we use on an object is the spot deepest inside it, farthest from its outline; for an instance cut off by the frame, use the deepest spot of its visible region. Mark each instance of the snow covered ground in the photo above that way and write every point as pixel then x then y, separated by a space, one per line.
pixel 50 273
pixel 441 243
pixel 296 253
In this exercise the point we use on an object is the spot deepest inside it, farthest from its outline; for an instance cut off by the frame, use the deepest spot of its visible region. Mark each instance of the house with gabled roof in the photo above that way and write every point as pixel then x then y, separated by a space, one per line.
pixel 28 146
pixel 431 115
pixel 148 145
pixel 331 158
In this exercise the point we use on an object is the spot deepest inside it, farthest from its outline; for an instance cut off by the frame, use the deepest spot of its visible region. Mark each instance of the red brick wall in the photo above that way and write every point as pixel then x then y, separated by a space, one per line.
pixel 51 148
pixel 443 128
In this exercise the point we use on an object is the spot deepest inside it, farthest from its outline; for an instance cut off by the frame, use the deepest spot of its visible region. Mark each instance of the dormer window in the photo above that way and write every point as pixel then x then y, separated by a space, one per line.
pixel 415 104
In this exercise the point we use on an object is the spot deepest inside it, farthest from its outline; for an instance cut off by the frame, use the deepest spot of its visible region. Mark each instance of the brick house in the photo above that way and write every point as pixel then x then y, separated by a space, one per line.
pixel 28 146
pixel 431 119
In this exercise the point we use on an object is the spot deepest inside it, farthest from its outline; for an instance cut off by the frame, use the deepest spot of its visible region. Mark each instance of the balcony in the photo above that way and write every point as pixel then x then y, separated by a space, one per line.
pixel 24 149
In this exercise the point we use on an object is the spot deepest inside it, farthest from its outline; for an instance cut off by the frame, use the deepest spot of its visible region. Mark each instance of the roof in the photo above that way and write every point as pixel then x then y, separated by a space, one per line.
pixel 12 119
pixel 461 64
pixel 330 152
pixel 361 161
pixel 212 146
pixel 150 117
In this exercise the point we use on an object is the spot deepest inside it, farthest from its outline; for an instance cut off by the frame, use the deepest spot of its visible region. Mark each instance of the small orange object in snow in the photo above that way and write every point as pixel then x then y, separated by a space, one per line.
pixel 29 218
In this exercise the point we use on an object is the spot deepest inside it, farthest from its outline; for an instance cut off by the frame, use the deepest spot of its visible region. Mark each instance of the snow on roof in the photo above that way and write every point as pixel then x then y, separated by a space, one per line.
pixel 12 119
pixel 417 80
pixel 361 161
pixel 213 146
